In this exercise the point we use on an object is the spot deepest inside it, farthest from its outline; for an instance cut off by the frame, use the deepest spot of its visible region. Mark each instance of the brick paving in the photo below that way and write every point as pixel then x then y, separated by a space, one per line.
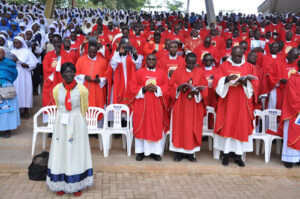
pixel 122 185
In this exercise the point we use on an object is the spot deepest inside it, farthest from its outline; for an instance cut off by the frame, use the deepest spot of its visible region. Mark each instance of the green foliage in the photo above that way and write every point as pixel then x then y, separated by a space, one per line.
pixel 175 5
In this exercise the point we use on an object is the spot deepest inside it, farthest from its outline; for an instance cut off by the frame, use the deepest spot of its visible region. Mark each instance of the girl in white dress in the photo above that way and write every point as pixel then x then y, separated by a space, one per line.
pixel 70 162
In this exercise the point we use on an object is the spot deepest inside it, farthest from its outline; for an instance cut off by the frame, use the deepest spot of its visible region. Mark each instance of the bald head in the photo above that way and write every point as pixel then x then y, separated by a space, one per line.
pixel 237 54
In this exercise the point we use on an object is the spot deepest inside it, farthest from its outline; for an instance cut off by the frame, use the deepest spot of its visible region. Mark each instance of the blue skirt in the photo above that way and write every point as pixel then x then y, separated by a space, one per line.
pixel 9 112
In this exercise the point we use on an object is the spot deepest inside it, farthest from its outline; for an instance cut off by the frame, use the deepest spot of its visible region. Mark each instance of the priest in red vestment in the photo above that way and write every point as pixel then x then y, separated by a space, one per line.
pixel 279 74
pixel 192 42
pixel 171 62
pixel 235 83
pixel 289 43
pixel 123 64
pixel 51 69
pixel 206 47
pixel 91 71
pixel 155 46
pixel 188 110
pixel 149 90
pixel 226 52
pixel 252 59
pixel 210 70
pixel 290 118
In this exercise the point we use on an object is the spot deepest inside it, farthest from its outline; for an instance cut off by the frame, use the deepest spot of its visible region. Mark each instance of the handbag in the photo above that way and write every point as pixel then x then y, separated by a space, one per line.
pixel 7 92
pixel 38 168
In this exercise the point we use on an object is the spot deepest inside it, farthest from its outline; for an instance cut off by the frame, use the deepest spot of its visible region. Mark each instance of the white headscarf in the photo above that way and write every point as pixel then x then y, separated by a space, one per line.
pixel 24 54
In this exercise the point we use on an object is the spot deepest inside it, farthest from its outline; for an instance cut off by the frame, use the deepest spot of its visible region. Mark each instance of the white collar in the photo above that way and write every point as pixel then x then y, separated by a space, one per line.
pixel 171 57
pixel 234 64
pixel 188 70
pixel 208 68
pixel 94 59
pixel 149 69
pixel 288 41
pixel 274 56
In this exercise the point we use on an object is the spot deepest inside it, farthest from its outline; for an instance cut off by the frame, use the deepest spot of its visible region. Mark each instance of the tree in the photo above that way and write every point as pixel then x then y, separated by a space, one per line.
pixel 175 5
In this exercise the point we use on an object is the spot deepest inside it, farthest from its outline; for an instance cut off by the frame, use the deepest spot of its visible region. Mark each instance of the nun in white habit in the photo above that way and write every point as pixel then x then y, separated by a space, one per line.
pixel 26 62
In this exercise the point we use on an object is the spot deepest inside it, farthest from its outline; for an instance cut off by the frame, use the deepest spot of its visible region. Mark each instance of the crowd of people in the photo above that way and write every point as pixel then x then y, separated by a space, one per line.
pixel 167 67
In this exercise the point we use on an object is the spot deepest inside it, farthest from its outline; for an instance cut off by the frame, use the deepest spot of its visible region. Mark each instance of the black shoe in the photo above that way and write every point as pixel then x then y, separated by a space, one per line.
pixel 7 134
pixel 239 162
pixel 155 157
pixel 288 165
pixel 225 160
pixel 177 157
pixel 139 156
pixel 191 158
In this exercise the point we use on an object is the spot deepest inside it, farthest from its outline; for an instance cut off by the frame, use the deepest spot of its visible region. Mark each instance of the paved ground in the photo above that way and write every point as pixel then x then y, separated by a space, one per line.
pixel 161 186
pixel 120 176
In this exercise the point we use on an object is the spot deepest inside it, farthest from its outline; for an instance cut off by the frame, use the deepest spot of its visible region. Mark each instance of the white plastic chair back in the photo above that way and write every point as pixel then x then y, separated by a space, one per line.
pixel 258 114
pixel 209 110
pixel 118 110
pixel 271 116
pixel 50 111
pixel 92 116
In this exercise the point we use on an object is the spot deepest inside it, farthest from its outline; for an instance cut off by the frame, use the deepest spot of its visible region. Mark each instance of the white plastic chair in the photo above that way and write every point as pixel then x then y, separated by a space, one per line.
pixel 117 128
pixel 206 131
pixel 262 135
pixel 51 111
pixel 271 116
pixel 91 117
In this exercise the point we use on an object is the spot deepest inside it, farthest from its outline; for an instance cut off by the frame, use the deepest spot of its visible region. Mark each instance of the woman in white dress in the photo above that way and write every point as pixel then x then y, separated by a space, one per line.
pixel 26 62
pixel 70 162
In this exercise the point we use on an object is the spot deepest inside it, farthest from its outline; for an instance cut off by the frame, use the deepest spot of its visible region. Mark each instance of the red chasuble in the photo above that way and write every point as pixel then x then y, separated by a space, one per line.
pixel 291 110
pixel 149 113
pixel 235 111
pixel 49 66
pixel 86 66
pixel 150 46
pixel 167 64
pixel 191 44
pixel 187 115
pixel 116 79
